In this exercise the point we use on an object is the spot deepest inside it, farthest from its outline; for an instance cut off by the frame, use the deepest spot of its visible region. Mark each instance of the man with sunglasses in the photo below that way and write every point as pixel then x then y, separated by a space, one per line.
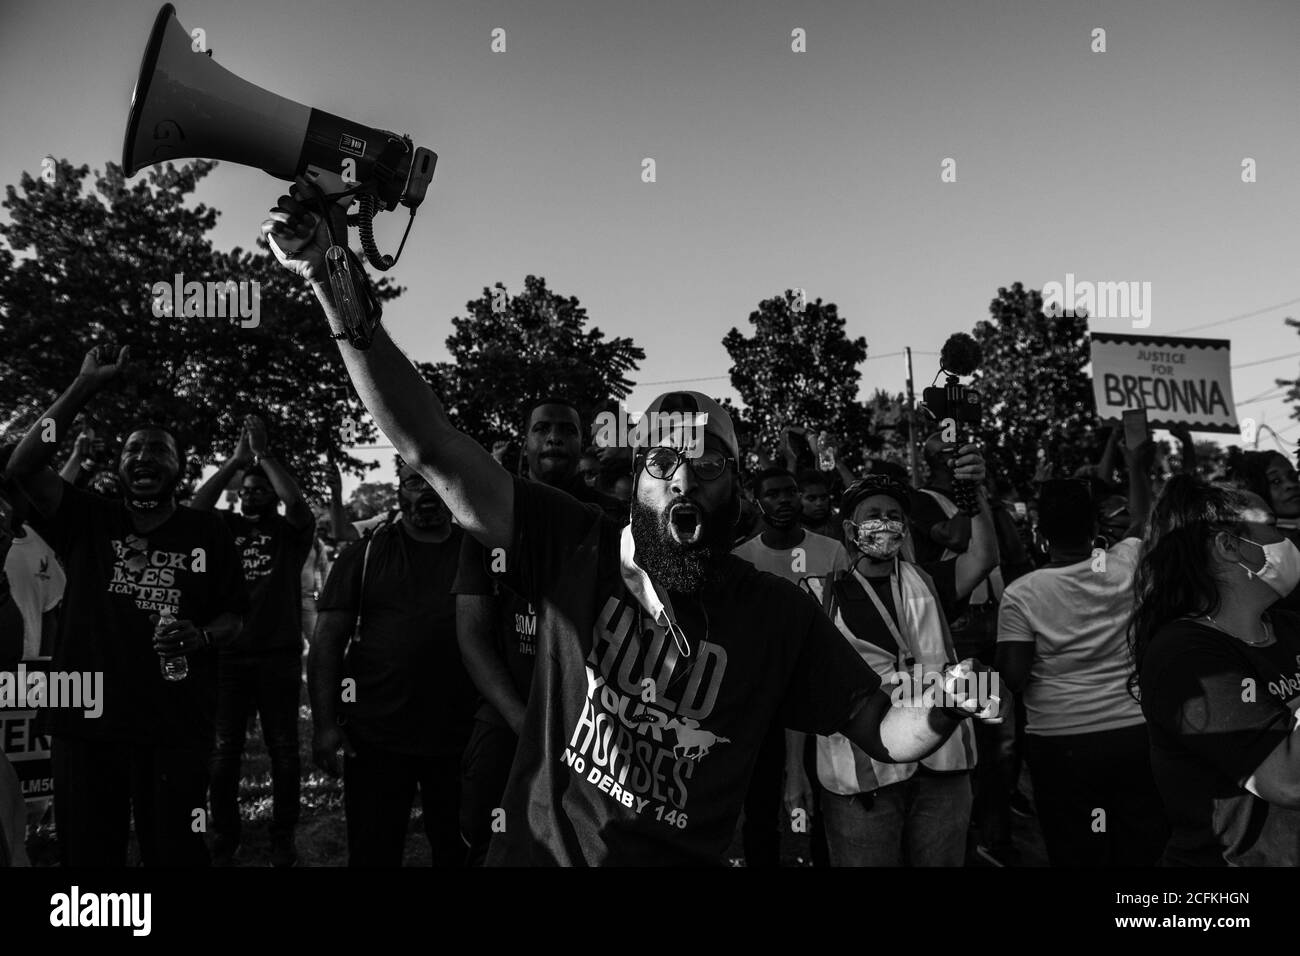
pixel 387 685
pixel 261 672
pixel 662 659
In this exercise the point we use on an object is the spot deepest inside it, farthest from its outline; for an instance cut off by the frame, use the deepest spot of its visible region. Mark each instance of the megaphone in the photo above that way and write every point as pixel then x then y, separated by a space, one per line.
pixel 185 106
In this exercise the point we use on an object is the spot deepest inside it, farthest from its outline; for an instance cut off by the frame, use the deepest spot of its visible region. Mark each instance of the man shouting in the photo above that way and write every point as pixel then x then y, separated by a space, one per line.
pixel 662 660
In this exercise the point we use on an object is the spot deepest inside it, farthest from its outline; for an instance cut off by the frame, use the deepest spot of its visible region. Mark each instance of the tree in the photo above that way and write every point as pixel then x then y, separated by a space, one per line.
pixel 87 277
pixel 1291 384
pixel 799 368
pixel 371 498
pixel 1034 390
pixel 513 349
pixel 887 438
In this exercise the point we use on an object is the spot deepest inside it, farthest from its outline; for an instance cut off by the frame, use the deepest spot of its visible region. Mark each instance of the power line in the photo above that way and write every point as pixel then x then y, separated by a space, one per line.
pixel 679 381
pixel 1262 396
pixel 1266 361
pixel 1237 318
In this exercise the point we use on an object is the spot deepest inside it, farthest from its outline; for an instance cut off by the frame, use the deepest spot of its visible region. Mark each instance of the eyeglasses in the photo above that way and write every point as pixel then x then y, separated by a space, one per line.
pixel 414 483
pixel 244 492
pixel 664 462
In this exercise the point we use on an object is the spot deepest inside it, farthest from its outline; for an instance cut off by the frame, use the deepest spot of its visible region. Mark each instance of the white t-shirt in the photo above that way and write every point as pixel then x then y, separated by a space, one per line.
pixel 1077 619
pixel 36 581
pixel 813 558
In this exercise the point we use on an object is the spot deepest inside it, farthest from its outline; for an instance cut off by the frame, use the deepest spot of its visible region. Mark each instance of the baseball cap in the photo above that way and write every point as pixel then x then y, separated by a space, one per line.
pixel 673 420
pixel 864 488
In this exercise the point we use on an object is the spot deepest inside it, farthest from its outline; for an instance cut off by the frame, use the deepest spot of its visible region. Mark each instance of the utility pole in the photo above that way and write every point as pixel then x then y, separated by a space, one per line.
pixel 913 465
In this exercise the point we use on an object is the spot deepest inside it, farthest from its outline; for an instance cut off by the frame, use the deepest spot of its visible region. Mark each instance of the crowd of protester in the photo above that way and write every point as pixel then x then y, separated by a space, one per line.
pixel 520 645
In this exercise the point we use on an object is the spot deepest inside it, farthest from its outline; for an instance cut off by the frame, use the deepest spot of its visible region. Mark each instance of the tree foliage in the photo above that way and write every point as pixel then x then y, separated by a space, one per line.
pixel 799 368
pixel 88 263
pixel 1034 389
pixel 371 498
pixel 510 350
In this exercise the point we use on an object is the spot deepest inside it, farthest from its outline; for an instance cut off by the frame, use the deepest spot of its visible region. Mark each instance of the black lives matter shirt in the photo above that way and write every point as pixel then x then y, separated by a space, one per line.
pixel 271 552
pixel 632 753
pixel 1215 709
pixel 117 579
pixel 412 695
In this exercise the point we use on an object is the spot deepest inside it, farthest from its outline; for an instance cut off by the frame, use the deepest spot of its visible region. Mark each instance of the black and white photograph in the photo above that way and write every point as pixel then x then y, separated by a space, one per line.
pixel 482 435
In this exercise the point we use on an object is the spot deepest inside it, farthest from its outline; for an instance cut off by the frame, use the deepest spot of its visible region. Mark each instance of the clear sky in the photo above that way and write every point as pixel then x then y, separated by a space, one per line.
pixel 775 169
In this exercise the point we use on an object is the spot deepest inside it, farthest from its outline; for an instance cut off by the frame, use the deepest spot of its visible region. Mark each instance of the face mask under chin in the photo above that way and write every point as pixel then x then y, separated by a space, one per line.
pixel 149 502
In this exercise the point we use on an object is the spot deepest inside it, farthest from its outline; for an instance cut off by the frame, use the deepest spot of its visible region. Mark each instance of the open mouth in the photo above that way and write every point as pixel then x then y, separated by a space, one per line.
pixel 685 523
pixel 144 477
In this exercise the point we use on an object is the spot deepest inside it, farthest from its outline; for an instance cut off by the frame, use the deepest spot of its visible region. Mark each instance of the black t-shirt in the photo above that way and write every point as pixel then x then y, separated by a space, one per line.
pixel 631 753
pixel 864 620
pixel 515 623
pixel 412 694
pixel 272 552
pixel 1215 708
pixel 117 578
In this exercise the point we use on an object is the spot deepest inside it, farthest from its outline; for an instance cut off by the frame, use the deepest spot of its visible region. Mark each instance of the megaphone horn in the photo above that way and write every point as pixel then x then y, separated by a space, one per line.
pixel 186 105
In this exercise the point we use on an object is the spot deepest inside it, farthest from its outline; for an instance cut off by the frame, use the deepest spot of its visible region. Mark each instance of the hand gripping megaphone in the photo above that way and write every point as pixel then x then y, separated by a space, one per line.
pixel 187 106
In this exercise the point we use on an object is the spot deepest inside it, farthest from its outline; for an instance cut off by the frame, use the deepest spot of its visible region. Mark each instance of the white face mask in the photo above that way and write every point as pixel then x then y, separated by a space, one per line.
pixel 1281 570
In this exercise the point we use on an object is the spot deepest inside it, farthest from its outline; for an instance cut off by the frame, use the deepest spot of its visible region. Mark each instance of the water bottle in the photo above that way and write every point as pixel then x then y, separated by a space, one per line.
pixel 826 458
pixel 173 668
pixel 825 452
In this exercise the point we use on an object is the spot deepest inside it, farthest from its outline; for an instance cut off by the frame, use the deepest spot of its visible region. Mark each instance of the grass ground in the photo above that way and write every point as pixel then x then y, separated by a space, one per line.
pixel 322 831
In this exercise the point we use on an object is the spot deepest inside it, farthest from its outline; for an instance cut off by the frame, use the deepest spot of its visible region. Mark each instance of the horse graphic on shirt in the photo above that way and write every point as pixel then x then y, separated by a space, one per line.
pixel 691 738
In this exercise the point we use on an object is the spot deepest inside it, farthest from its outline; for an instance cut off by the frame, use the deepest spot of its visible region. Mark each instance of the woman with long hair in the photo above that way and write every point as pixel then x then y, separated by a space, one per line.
pixel 1217 668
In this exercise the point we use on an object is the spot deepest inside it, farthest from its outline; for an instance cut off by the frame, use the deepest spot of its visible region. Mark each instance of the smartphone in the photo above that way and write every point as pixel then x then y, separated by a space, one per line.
pixel 1135 427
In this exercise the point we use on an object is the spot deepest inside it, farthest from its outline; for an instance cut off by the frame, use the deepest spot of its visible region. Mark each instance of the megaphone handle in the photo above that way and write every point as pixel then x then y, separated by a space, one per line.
pixel 347 300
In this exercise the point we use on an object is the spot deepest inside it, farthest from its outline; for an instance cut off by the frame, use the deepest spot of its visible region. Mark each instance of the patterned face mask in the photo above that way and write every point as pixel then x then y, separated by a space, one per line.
pixel 880 537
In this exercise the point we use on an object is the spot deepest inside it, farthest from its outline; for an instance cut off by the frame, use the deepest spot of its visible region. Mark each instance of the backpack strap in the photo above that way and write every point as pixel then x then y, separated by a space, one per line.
pixel 365 563
pixel 846 597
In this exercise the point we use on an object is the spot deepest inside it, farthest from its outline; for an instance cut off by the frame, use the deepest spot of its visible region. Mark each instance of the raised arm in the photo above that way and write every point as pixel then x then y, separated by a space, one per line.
pixel 1106 466
pixel 1139 486
pixel 1187 448
pixel 340 527
pixel 479 493
pixel 296 510
pixel 981 554
pixel 32 456
pixel 205 499
pixel 81 450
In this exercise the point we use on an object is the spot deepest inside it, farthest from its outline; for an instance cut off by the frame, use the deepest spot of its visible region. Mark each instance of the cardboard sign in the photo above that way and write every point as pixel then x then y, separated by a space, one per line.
pixel 1178 381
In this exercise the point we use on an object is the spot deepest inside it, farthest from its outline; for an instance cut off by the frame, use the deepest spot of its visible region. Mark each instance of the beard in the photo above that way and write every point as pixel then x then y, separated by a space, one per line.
pixel 685 568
